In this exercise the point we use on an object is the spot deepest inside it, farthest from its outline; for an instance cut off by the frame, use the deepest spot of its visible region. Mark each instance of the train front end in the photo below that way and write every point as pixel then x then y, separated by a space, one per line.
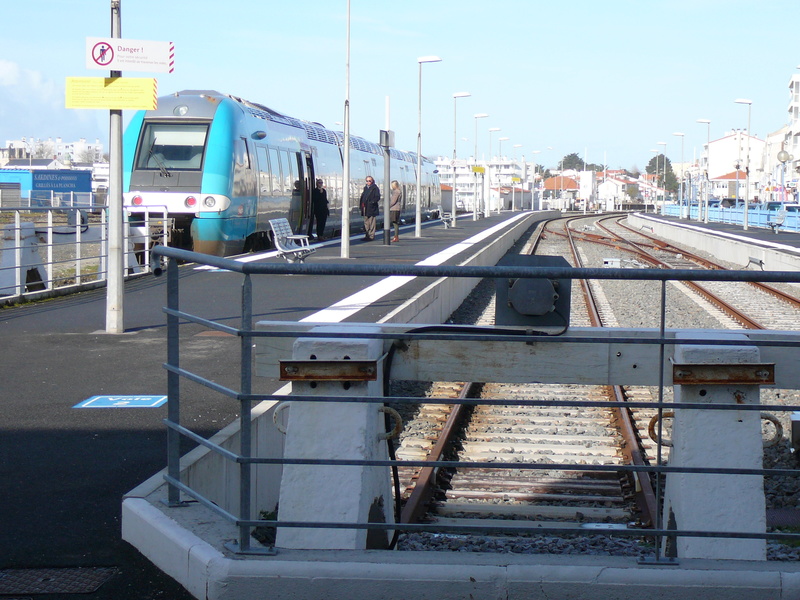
pixel 178 175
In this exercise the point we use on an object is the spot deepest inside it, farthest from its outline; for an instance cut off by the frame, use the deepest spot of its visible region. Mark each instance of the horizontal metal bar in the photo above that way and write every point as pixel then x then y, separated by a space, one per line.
pixel 655 405
pixel 361 270
pixel 231 456
pixel 328 370
pixel 518 465
pixel 201 321
pixel 200 498
pixel 604 531
pixel 719 374
pixel 225 391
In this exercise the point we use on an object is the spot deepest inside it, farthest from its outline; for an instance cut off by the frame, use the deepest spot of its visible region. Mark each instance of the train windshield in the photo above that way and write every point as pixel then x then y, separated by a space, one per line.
pixel 168 146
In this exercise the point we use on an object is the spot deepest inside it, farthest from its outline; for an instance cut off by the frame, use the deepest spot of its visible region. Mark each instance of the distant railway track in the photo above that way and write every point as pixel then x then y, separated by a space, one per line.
pixel 511 434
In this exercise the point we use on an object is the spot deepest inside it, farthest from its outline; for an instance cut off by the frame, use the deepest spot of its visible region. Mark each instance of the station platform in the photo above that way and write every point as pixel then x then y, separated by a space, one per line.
pixel 66 469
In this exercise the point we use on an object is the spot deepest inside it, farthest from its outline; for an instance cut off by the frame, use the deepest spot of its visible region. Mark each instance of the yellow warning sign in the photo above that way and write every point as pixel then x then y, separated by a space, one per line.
pixel 113 93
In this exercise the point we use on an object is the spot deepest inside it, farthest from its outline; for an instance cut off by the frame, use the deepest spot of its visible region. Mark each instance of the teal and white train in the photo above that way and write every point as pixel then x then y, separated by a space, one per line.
pixel 220 167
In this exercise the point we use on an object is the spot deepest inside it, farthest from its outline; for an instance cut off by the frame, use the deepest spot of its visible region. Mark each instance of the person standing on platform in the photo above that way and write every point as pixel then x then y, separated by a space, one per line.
pixel 319 206
pixel 370 207
pixel 394 209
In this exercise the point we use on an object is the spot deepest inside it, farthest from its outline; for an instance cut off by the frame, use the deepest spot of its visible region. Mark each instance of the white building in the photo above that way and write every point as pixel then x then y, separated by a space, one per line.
pixel 486 183
pixel 64 152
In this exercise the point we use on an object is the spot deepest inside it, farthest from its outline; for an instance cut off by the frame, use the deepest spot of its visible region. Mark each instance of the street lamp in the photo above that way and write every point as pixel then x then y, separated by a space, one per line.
pixel 656 187
pixel 522 202
pixel 453 203
pixel 488 178
pixel 500 170
pixel 533 192
pixel 664 169
pixel 707 182
pixel 418 221
pixel 680 192
pixel 475 196
pixel 500 147
pixel 783 157
pixel 749 104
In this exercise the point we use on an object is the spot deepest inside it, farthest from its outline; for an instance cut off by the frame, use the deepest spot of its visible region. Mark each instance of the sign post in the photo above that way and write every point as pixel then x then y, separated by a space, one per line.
pixel 115 94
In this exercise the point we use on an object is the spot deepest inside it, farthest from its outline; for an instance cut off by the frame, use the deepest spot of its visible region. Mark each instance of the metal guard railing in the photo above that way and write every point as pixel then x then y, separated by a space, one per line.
pixel 247 333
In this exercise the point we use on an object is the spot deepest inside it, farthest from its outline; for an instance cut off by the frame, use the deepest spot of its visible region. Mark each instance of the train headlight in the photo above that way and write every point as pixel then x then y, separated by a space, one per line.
pixel 180 111
pixel 137 201
pixel 209 202
pixel 190 202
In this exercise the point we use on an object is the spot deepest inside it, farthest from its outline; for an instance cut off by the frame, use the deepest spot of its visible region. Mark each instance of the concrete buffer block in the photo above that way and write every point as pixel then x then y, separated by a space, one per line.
pixel 343 431
pixel 717 439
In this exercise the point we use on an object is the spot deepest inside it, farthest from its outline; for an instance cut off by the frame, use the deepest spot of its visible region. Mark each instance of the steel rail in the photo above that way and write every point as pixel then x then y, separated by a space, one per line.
pixel 645 496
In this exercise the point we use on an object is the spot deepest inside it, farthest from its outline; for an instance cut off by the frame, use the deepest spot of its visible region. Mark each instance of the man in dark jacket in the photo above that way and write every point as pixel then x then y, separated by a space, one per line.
pixel 370 207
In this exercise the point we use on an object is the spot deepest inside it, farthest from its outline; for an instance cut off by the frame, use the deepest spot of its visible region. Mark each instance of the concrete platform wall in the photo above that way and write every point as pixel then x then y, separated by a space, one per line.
pixel 738 251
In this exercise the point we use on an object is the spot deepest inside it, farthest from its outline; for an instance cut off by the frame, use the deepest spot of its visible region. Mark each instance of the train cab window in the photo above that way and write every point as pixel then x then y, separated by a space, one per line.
pixel 172 146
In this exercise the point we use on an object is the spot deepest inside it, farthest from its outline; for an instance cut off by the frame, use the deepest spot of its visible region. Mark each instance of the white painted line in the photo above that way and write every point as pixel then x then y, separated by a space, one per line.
pixel 361 299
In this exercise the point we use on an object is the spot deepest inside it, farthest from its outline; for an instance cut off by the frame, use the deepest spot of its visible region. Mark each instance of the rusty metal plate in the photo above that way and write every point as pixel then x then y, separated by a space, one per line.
pixel 328 370
pixel 710 374
pixel 78 580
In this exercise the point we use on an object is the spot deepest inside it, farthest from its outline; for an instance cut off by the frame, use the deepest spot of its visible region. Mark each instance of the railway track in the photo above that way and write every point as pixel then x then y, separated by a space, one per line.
pixel 565 497
pixel 511 434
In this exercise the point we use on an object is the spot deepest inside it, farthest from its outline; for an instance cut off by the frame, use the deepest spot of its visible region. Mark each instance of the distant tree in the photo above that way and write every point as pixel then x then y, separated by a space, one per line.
pixel 632 190
pixel 634 172
pixel 86 156
pixel 671 180
pixel 106 157
pixel 43 150
pixel 574 161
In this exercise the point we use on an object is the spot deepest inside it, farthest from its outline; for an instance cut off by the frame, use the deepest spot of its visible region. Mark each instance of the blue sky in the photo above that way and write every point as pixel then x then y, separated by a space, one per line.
pixel 609 79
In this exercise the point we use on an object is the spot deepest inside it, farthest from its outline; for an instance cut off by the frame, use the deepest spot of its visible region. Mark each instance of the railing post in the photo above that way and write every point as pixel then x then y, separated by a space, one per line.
pixel 173 382
pixel 245 439
pixel 716 439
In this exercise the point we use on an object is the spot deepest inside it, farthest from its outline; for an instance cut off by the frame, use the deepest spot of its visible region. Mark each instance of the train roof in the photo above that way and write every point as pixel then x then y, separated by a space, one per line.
pixel 313 130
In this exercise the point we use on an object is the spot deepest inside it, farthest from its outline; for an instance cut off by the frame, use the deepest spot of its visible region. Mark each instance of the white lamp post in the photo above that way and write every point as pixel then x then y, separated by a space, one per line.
pixel 656 186
pixel 680 188
pixel 707 182
pixel 500 171
pixel 522 186
pixel 533 192
pixel 456 96
pixel 487 177
pixel 418 221
pixel 749 104
pixel 664 169
pixel 475 196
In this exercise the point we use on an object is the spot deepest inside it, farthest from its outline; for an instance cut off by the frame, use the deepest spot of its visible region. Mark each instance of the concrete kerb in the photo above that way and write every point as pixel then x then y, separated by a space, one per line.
pixel 187 543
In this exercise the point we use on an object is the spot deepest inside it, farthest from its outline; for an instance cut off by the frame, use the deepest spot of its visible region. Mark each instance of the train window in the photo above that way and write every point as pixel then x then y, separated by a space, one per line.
pixel 240 151
pixel 275 171
pixel 168 146
pixel 287 172
pixel 264 183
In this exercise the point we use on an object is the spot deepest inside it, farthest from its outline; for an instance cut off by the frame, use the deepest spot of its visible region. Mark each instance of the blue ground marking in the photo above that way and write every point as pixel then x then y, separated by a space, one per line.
pixel 122 402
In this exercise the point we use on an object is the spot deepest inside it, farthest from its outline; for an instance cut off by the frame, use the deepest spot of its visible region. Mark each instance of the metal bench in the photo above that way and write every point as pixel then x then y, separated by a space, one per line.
pixel 446 217
pixel 293 247
pixel 780 217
